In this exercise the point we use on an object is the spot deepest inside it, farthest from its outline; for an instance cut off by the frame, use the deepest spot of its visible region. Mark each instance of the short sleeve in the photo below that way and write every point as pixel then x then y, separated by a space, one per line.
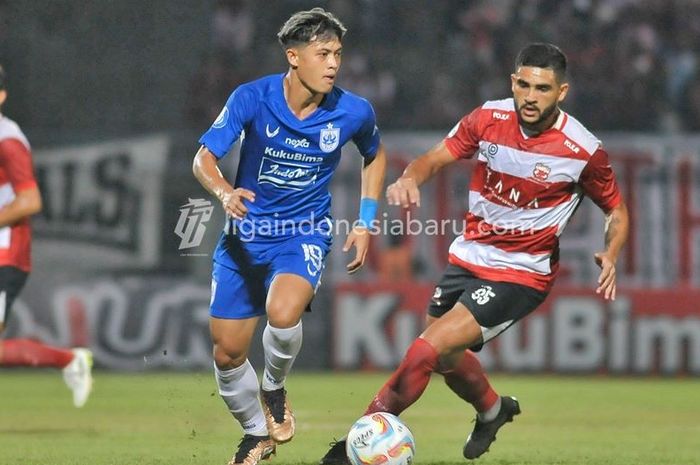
pixel 238 112
pixel 598 182
pixel 463 140
pixel 367 136
pixel 16 160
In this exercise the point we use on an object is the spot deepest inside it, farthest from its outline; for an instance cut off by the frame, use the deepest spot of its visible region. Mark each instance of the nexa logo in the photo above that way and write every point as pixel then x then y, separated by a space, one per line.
pixel 573 147
pixel 501 116
pixel 296 142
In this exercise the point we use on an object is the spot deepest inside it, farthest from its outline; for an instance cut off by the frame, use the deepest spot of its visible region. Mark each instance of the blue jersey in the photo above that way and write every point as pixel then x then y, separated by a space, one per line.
pixel 286 161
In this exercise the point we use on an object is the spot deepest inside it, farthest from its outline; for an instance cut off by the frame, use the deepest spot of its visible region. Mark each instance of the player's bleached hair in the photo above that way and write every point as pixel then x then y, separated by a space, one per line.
pixel 307 26
pixel 2 78
pixel 542 55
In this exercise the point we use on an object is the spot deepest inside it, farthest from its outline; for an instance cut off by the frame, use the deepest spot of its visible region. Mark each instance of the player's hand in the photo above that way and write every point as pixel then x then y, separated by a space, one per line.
pixel 358 237
pixel 403 192
pixel 606 280
pixel 233 202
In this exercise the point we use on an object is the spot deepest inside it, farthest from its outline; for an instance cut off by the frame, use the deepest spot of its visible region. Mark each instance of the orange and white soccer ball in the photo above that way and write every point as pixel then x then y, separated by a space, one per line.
pixel 380 439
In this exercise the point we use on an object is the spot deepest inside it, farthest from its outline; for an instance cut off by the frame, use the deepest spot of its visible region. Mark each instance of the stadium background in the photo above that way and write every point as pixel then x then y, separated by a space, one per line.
pixel 113 96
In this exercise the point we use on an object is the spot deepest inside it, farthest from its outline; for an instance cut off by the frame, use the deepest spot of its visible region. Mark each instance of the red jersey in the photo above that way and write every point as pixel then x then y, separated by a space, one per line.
pixel 16 174
pixel 523 191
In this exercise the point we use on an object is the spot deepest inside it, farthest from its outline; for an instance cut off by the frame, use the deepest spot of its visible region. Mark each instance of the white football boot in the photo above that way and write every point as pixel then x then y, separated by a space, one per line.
pixel 78 376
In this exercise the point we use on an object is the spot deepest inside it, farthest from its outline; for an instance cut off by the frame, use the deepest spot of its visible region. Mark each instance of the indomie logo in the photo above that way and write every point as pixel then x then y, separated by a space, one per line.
pixel 287 175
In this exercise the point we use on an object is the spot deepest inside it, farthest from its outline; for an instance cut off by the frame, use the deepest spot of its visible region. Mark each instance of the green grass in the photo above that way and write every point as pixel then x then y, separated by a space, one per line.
pixel 177 419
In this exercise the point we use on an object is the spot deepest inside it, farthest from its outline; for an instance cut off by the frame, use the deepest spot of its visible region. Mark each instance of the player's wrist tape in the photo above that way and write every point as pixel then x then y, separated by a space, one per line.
pixel 368 212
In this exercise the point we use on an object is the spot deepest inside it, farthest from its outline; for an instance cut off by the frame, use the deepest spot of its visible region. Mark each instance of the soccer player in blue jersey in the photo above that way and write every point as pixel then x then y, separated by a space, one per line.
pixel 271 254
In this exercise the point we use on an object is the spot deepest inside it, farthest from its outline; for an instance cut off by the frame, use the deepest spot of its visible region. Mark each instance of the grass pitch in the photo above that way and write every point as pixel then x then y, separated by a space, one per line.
pixel 178 419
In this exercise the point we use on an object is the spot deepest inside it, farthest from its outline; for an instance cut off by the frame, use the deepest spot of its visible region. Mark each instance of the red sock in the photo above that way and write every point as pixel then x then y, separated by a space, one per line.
pixel 468 380
pixel 408 381
pixel 25 352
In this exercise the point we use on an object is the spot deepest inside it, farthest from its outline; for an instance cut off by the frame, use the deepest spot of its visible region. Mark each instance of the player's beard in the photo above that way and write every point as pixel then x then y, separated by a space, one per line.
pixel 543 122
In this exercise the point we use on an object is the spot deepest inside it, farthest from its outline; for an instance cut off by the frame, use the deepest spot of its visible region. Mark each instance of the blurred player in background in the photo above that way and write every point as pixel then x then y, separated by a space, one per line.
pixel 534 165
pixel 272 252
pixel 20 199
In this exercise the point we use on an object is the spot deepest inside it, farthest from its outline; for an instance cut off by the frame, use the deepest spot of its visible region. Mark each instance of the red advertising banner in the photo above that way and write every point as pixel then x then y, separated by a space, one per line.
pixel 575 331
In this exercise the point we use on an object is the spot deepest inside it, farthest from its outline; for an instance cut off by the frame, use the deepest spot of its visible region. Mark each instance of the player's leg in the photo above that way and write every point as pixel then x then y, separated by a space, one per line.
pixel 31 353
pixel 462 370
pixel 411 378
pixel 453 332
pixel 494 306
pixel 288 297
pixel 238 385
pixel 235 377
pixel 450 334
pixel 297 265
pixel 76 364
pixel 465 376
pixel 236 306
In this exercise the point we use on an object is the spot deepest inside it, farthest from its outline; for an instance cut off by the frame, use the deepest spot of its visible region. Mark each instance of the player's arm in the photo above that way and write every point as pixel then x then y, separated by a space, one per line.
pixel 207 172
pixel 405 191
pixel 27 202
pixel 616 232
pixel 373 173
pixel 599 183
pixel 16 160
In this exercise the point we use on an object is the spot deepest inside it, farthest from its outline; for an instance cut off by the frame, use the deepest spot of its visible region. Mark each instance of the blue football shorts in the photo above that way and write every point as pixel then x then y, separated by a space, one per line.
pixel 242 271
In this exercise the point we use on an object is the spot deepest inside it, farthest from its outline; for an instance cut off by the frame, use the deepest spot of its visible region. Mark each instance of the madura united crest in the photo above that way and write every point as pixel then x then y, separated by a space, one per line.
pixel 330 137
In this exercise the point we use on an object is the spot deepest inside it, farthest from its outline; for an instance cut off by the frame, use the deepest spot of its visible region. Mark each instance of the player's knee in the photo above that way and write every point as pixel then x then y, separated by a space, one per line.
pixel 228 358
pixel 280 315
pixel 284 321
pixel 437 343
pixel 448 349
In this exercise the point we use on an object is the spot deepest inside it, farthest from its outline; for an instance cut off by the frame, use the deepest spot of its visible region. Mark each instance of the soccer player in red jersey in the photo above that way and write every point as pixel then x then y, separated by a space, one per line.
pixel 535 163
pixel 19 199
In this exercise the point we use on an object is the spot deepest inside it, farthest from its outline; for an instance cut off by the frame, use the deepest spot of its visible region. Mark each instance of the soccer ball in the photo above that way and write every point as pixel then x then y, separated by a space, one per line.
pixel 380 439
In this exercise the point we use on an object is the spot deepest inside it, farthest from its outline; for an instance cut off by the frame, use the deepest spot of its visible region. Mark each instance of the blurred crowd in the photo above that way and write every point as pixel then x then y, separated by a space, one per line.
pixel 424 63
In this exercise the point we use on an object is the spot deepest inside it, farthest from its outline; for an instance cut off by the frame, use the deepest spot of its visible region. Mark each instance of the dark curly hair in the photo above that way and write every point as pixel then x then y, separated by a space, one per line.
pixel 542 55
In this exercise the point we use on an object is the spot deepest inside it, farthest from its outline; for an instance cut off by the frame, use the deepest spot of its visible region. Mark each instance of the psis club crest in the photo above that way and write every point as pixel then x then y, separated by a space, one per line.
pixel 330 138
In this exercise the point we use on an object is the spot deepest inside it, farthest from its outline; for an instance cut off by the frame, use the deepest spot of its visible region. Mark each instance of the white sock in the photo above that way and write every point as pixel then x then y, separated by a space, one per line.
pixel 491 413
pixel 281 348
pixel 239 389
